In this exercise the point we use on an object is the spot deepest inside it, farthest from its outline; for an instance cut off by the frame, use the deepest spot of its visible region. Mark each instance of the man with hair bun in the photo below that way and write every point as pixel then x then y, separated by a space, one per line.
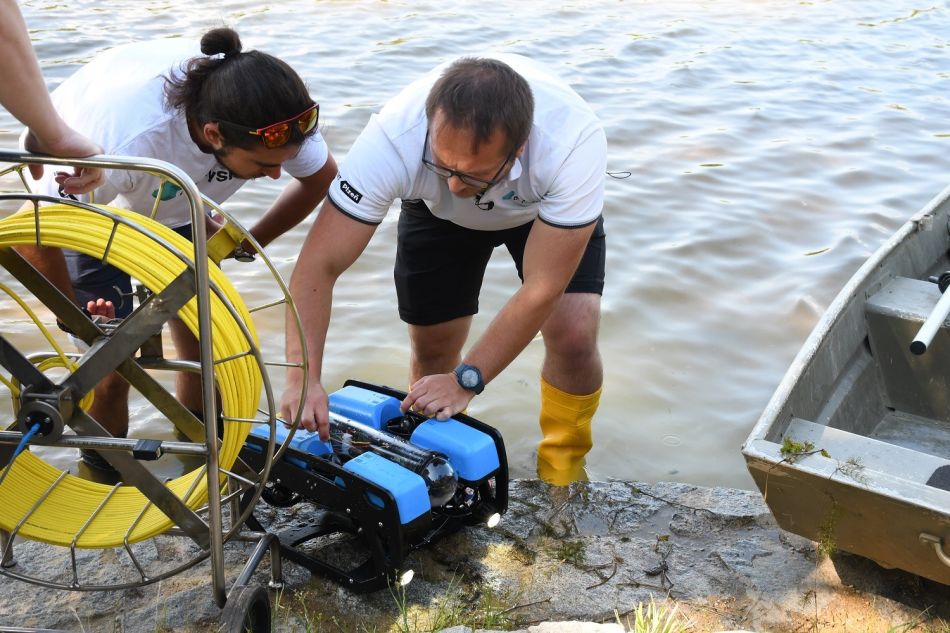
pixel 222 115
pixel 481 152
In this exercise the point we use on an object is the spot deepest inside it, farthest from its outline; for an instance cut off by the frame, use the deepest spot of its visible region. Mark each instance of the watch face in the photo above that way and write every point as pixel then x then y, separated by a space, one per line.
pixel 469 378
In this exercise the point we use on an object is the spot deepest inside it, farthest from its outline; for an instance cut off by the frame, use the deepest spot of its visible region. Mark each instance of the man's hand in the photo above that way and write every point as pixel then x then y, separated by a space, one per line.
pixel 213 223
pixel 316 412
pixel 439 396
pixel 70 144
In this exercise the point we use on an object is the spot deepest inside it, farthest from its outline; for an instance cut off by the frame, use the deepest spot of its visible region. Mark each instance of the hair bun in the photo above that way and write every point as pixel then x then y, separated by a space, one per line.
pixel 223 40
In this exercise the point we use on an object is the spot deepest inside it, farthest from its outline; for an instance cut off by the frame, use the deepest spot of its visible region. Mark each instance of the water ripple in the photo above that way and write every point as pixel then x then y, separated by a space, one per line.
pixel 773 146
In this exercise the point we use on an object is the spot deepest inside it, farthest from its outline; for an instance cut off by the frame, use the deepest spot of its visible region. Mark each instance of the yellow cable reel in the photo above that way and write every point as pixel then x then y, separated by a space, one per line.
pixel 64 513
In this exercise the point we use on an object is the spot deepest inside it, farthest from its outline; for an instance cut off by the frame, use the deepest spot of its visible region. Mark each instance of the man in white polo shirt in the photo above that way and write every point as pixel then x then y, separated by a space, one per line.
pixel 481 152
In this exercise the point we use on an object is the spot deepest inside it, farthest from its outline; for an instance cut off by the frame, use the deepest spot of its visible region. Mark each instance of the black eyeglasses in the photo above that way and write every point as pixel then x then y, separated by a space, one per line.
pixel 471 181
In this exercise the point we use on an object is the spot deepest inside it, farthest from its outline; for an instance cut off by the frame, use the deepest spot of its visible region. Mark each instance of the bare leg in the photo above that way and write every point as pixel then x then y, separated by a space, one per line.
pixel 436 349
pixel 111 405
pixel 187 384
pixel 571 379
pixel 571 359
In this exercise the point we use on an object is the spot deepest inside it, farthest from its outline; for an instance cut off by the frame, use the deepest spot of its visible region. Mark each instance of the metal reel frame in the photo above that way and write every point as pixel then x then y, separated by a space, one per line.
pixel 208 533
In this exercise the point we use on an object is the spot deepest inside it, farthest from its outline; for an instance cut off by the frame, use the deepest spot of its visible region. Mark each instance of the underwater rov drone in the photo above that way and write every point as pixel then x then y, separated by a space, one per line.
pixel 393 481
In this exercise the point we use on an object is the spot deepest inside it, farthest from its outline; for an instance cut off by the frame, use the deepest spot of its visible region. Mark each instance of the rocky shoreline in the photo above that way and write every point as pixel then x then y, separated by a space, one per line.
pixel 589 553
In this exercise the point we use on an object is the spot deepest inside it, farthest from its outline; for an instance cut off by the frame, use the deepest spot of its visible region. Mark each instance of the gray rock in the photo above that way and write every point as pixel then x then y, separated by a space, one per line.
pixel 575 627
pixel 562 557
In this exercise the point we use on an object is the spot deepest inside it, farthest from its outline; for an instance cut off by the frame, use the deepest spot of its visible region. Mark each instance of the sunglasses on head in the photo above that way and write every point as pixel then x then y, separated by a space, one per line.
pixel 279 134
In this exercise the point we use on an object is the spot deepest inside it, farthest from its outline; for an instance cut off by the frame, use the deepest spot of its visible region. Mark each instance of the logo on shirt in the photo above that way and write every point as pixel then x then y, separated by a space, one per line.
pixel 511 195
pixel 350 191
pixel 220 175
pixel 167 191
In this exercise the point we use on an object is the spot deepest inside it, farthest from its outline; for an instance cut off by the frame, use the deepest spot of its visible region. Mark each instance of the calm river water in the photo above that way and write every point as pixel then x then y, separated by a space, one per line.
pixel 772 147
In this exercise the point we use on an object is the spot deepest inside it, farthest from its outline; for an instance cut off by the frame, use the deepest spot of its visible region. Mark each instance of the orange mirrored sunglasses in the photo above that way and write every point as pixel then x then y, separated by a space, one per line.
pixel 279 134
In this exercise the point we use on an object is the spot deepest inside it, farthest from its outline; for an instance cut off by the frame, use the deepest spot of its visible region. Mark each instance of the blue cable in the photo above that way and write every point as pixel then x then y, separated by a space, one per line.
pixel 19 449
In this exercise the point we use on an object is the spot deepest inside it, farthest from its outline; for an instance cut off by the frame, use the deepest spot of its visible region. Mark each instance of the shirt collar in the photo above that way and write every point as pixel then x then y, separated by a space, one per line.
pixel 515 172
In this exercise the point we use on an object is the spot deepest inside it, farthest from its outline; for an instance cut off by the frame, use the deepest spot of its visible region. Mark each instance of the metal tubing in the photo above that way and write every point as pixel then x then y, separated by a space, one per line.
pixel 274 303
pixel 36 505
pixel 128 545
pixel 21 368
pixel 82 530
pixel 105 252
pixel 276 566
pixel 284 364
pixel 6 542
pixel 165 169
pixel 937 543
pixel 110 443
pixel 137 475
pixel 255 559
pixel 233 357
pixel 930 327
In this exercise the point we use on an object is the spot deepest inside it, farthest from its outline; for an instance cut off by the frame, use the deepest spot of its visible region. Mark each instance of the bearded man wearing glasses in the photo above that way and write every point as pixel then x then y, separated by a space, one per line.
pixel 222 116
pixel 481 152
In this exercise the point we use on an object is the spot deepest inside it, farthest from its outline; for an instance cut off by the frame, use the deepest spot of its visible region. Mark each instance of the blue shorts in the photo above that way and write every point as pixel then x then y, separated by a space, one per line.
pixel 93 280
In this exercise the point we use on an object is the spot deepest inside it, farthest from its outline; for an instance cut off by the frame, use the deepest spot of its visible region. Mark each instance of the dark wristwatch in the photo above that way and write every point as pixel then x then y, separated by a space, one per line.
pixel 470 377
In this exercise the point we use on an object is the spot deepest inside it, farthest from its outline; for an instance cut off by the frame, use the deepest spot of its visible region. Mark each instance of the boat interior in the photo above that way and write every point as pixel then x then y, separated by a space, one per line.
pixel 888 408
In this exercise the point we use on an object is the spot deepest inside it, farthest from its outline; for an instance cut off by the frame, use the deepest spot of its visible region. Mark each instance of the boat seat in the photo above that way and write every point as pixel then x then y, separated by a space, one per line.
pixel 873 454
pixel 918 385
pixel 940 478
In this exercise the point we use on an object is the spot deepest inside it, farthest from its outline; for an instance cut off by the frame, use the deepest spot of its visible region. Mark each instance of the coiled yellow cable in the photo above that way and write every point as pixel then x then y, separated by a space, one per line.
pixel 69 505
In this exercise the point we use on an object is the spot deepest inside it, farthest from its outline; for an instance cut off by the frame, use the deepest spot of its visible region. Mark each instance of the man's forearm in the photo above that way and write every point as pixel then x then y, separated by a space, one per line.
pixel 22 89
pixel 516 325
pixel 332 245
pixel 550 260
pixel 313 299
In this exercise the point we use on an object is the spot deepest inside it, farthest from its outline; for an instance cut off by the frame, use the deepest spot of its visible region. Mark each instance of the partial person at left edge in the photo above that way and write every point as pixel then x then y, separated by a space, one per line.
pixel 222 115
pixel 23 93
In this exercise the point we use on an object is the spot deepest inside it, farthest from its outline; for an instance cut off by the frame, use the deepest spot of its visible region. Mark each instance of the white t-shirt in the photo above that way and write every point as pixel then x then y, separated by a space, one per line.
pixel 118 101
pixel 559 178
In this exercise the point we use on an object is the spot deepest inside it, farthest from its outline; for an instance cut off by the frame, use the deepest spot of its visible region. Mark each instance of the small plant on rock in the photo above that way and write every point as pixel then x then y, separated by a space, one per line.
pixel 654 618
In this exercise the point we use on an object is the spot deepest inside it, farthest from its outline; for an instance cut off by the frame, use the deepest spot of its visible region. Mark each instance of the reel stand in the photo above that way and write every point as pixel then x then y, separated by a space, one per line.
pixel 42 502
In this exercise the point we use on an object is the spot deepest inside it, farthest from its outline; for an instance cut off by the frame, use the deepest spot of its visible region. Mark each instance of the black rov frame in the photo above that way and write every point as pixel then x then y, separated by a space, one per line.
pixel 344 504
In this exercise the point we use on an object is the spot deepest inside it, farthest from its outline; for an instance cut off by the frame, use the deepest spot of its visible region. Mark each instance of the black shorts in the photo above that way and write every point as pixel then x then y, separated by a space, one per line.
pixel 440 265
pixel 93 280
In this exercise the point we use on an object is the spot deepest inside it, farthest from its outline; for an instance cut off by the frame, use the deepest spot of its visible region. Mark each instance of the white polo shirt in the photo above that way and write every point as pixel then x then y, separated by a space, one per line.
pixel 559 178
pixel 118 101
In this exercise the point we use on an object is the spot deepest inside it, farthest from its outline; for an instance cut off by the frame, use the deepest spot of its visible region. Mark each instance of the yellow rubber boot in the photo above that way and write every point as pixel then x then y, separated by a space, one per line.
pixel 566 425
